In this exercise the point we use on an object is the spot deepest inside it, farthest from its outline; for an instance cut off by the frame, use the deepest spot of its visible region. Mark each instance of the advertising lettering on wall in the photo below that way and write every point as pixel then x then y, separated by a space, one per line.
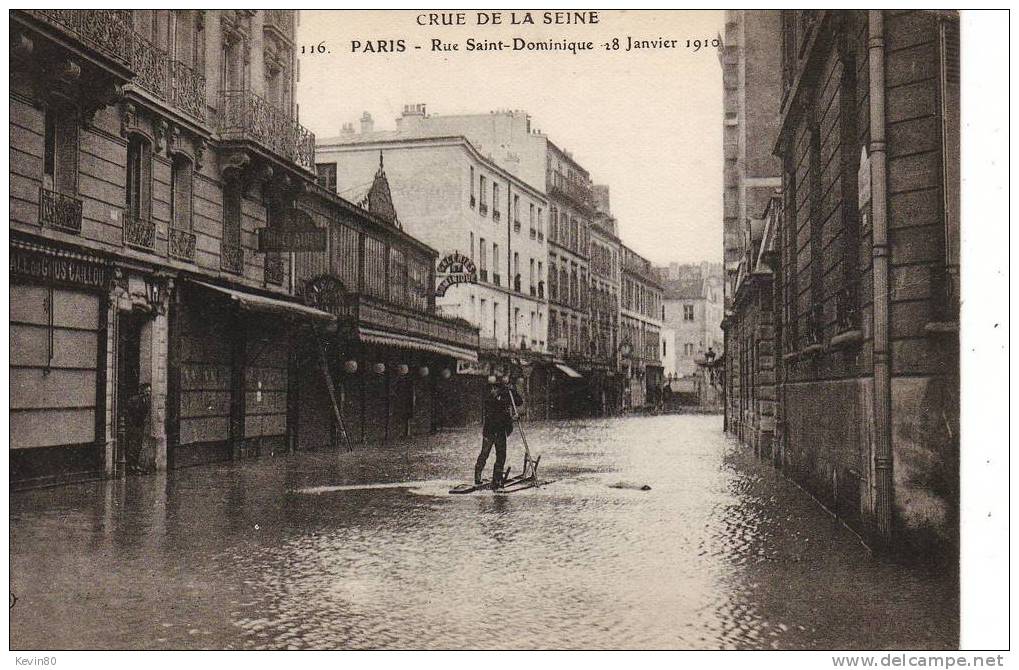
pixel 455 269
pixel 295 232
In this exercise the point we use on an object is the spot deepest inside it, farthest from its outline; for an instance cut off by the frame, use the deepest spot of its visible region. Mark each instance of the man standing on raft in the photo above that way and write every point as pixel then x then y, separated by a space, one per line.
pixel 497 423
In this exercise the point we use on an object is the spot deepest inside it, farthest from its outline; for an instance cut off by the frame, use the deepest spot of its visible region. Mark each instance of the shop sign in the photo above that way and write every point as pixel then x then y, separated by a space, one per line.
pixel 295 232
pixel 455 269
pixel 326 293
pixel 472 368
pixel 39 265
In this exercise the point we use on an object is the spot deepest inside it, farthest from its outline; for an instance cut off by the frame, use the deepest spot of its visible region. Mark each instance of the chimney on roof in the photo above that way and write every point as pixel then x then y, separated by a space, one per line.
pixel 347 129
pixel 417 109
pixel 367 123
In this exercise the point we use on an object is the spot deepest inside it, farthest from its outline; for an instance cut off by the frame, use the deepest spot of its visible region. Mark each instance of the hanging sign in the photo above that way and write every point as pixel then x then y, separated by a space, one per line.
pixel 456 269
pixel 326 293
pixel 295 232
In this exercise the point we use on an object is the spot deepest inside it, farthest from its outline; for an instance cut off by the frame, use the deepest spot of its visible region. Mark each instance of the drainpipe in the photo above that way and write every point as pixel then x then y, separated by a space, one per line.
pixel 880 254
pixel 509 264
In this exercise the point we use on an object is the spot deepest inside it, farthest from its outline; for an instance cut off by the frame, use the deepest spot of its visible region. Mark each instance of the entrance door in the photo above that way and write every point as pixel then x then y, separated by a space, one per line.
pixel 133 397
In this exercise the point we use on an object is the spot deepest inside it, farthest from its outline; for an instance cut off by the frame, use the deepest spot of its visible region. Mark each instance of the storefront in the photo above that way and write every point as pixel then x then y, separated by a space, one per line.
pixel 59 327
pixel 232 372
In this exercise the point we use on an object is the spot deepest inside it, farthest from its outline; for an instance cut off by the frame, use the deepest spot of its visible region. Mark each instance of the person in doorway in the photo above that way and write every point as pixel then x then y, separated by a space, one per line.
pixel 498 414
pixel 138 408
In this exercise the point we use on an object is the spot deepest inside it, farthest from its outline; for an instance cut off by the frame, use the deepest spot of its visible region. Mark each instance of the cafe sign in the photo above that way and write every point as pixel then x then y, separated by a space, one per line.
pixel 455 269
pixel 294 232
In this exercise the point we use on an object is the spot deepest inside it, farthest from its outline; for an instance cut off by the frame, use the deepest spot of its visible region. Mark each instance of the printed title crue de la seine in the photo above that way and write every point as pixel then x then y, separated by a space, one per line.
pixel 389 45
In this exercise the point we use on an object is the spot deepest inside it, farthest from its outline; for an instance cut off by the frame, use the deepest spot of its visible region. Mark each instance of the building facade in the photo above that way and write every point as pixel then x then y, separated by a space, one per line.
pixel 584 365
pixel 150 153
pixel 847 322
pixel 694 309
pixel 640 326
pixel 458 201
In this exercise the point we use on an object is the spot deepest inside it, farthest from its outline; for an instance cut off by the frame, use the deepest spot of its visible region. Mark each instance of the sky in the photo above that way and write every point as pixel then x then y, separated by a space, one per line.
pixel 647 122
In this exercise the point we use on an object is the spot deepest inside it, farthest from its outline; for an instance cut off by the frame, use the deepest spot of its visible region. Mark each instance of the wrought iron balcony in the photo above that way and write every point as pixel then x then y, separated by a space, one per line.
pixel 496 279
pixel 139 232
pixel 107 31
pixel 151 66
pixel 472 201
pixel 541 235
pixel 516 226
pixel 187 89
pixel 182 244
pixel 496 215
pixel 541 289
pixel 483 208
pixel 558 184
pixel 231 258
pixel 172 81
pixel 516 283
pixel 534 233
pixel 274 269
pixel 59 211
pixel 250 117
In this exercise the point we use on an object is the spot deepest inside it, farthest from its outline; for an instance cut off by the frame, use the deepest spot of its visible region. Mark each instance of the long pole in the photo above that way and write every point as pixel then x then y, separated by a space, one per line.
pixel 880 252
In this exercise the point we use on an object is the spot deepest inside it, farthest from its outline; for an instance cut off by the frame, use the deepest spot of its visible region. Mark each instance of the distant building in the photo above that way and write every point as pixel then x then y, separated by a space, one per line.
pixel 640 330
pixel 692 296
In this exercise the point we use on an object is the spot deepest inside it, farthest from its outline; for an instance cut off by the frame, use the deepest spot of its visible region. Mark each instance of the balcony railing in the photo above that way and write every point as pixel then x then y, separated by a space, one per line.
pixel 473 201
pixel 182 244
pixel 151 66
pixel 187 89
pixel 483 208
pixel 483 273
pixel 541 235
pixel 516 226
pixel 377 313
pixel 557 184
pixel 534 233
pixel 496 279
pixel 541 289
pixel 847 308
pixel 107 31
pixel 496 215
pixel 59 211
pixel 516 283
pixel 274 269
pixel 248 116
pixel 231 258
pixel 139 232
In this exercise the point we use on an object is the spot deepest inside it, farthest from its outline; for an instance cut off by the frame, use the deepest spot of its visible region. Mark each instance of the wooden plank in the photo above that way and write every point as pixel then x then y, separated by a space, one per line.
pixel 60 388
pixel 71 348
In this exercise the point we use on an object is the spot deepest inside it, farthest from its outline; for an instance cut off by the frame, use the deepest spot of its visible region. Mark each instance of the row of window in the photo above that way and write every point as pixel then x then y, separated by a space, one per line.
pixel 60 170
pixel 569 231
pixel 490 317
pixel 535 214
pixel 638 297
pixel 536 274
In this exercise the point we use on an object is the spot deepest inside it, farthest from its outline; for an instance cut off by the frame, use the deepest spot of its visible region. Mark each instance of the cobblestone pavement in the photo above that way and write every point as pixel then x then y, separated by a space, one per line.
pixel 367 550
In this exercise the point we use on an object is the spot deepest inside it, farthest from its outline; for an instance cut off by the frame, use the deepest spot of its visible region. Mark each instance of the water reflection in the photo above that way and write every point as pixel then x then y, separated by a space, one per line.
pixel 304 552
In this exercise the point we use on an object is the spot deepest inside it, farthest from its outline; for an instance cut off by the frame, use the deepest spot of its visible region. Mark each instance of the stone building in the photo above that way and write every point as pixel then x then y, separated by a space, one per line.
pixel 640 325
pixel 857 338
pixel 455 199
pixel 584 366
pixel 152 153
pixel 694 309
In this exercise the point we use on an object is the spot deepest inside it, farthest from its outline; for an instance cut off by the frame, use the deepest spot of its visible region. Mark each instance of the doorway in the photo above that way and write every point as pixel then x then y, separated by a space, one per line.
pixel 133 393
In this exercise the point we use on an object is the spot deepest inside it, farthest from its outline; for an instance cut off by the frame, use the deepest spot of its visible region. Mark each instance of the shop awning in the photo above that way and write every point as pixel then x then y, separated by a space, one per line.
pixel 568 371
pixel 402 341
pixel 258 303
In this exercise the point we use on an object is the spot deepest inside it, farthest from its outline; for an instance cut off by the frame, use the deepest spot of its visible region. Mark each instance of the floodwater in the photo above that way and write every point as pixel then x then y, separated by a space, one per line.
pixel 368 550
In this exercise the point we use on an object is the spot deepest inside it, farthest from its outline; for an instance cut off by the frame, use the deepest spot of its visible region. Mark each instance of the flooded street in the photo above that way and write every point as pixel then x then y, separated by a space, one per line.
pixel 368 550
